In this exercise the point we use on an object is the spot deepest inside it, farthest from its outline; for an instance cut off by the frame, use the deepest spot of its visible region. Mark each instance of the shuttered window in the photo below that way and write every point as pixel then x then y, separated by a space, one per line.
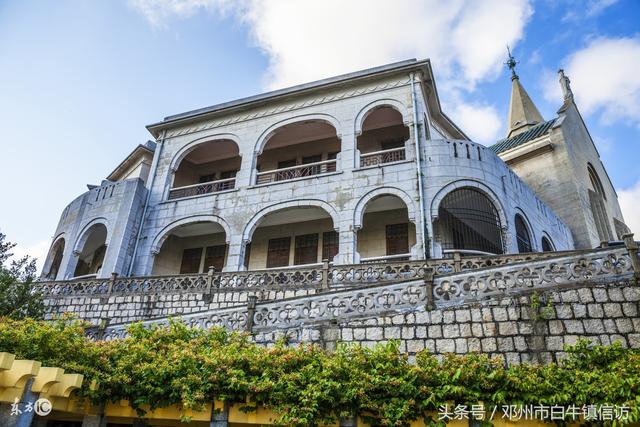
pixel 306 251
pixel 278 252
pixel 397 239
pixel 214 256
pixel 330 245
pixel 191 261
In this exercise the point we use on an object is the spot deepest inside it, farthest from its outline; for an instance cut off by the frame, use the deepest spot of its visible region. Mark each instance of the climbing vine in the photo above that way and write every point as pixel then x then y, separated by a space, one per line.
pixel 178 365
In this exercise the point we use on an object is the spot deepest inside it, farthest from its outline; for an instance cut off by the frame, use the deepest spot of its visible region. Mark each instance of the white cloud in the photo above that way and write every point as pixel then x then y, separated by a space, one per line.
pixel 582 9
pixel 629 200
pixel 480 122
pixel 604 79
pixel 305 41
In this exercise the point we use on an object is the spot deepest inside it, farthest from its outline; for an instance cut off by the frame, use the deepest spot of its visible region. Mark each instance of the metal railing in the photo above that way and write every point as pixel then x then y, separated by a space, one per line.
pixel 299 171
pixel 202 188
pixel 385 258
pixel 382 156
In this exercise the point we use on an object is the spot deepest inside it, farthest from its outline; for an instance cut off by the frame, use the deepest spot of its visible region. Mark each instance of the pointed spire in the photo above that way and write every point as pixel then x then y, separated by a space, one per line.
pixel 523 113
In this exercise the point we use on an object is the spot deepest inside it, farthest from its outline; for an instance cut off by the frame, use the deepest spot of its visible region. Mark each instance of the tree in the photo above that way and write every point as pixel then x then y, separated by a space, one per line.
pixel 18 297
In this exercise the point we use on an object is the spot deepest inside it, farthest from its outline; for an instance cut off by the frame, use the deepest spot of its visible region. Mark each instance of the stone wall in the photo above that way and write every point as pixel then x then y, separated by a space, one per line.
pixel 509 328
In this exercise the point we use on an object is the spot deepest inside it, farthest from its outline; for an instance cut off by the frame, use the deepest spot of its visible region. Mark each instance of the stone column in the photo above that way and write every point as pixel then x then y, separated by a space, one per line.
pixel 348 245
pixel 236 253
pixel 347 151
pixel 23 417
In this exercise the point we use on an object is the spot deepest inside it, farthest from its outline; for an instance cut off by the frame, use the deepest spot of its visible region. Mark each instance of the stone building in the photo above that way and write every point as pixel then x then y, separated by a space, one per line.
pixel 358 168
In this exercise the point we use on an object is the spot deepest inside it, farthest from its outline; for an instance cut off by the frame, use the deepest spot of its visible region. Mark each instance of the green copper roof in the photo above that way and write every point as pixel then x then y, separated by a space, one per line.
pixel 522 138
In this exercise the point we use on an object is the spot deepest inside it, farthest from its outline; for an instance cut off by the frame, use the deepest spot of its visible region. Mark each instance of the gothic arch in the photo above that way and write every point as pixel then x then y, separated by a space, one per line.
pixel 371 107
pixel 59 239
pixel 255 220
pixel 358 211
pixel 166 231
pixel 528 228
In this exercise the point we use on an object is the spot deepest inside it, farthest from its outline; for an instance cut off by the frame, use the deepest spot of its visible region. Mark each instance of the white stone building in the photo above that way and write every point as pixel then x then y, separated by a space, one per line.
pixel 358 168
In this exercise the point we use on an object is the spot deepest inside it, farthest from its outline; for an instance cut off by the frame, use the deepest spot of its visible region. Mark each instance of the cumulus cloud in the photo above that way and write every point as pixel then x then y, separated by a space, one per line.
pixel 629 200
pixel 305 41
pixel 604 79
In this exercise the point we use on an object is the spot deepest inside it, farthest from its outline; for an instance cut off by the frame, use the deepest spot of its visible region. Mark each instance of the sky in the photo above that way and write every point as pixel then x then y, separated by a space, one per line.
pixel 79 80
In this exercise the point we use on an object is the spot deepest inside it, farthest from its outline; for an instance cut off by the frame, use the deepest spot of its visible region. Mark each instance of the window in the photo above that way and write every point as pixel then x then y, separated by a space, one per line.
pixel 286 164
pixel 599 212
pixel 331 167
pixel 214 256
pixel 546 245
pixel 228 174
pixel 468 220
pixel 522 235
pixel 278 252
pixel 397 239
pixel 247 255
pixel 330 245
pixel 191 261
pixel 390 144
pixel 595 181
pixel 311 159
pixel 306 250
pixel 207 178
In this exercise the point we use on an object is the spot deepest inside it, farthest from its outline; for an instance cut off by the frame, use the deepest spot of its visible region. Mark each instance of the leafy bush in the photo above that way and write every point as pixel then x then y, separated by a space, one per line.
pixel 187 367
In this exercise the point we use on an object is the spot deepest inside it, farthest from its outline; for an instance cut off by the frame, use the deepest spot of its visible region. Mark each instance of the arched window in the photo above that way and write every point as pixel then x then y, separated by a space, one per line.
pixel 547 246
pixel 57 250
pixel 522 235
pixel 468 220
pixel 598 209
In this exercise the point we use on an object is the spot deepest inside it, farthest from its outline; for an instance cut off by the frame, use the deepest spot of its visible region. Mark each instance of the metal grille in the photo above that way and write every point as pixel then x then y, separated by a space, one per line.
pixel 467 220
pixel 522 235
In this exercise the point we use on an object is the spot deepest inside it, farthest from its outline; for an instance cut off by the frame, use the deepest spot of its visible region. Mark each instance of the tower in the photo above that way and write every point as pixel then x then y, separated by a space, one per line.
pixel 560 161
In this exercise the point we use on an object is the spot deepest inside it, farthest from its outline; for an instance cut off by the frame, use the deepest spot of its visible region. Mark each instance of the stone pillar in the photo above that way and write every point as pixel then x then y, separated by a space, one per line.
pixel 348 247
pixel 632 247
pixel 246 173
pixel 24 417
pixel 220 417
pixel 236 253
pixel 348 152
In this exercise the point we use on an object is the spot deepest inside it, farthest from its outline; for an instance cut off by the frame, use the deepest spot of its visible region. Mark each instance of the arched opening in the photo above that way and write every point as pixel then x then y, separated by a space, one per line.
pixel 92 254
pixel 56 253
pixel 522 235
pixel 383 137
pixel 597 199
pixel 547 246
pixel 292 236
pixel 298 150
pixel 386 232
pixel 192 248
pixel 468 222
pixel 209 168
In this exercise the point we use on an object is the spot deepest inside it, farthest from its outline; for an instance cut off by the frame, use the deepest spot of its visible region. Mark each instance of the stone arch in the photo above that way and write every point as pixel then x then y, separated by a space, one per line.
pixel 471 183
pixel 162 235
pixel 268 133
pixel 84 235
pixel 192 145
pixel 372 106
pixel 60 239
pixel 358 211
pixel 549 242
pixel 255 220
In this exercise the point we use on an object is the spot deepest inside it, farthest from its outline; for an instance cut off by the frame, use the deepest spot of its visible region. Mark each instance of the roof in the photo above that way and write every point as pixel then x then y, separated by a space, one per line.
pixel 147 147
pixel 251 101
pixel 522 138
pixel 523 113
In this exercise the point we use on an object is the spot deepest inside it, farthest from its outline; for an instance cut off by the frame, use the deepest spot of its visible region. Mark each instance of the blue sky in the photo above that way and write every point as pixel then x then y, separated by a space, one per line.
pixel 79 80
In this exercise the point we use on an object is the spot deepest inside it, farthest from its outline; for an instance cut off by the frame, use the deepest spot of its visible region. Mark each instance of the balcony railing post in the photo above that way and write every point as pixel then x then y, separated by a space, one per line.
pixel 210 273
pixel 428 285
pixel 457 262
pixel 252 301
pixel 112 282
pixel 325 274
pixel 632 248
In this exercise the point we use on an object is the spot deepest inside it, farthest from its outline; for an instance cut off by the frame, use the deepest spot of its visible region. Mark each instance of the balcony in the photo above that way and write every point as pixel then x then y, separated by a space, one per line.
pixel 202 188
pixel 300 171
pixel 381 157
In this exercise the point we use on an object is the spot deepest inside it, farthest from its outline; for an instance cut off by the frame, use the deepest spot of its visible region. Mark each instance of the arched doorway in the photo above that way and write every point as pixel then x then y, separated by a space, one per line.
pixel 386 232
pixel 93 250
pixel 295 235
pixel 298 150
pixel 209 167
pixel 191 248
pixel 468 222
pixel 383 137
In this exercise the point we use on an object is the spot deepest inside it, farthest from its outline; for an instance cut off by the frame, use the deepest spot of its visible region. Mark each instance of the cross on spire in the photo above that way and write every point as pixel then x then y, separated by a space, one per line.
pixel 511 64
